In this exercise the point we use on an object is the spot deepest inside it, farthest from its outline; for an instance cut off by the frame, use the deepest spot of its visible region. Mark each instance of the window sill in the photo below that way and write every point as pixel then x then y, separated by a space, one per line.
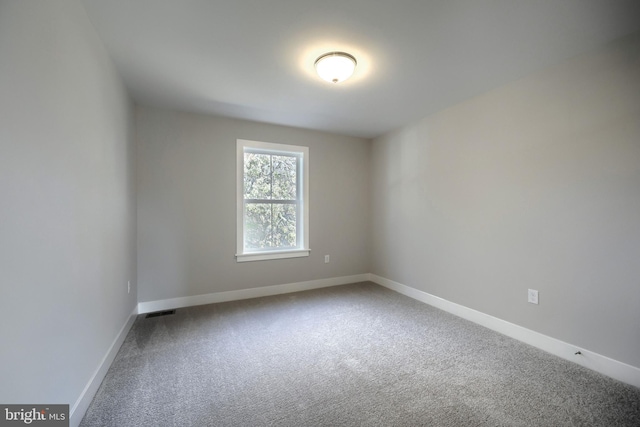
pixel 263 256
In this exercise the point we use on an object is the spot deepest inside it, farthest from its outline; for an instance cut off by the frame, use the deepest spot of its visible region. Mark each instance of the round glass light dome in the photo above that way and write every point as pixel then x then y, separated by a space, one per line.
pixel 335 67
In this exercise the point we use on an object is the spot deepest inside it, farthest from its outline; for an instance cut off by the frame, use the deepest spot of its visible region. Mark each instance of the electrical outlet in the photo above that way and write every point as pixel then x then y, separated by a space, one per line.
pixel 326 259
pixel 532 296
pixel 129 287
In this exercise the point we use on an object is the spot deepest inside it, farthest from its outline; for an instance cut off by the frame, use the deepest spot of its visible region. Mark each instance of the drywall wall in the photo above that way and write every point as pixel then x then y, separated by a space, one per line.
pixel 532 185
pixel 186 169
pixel 67 216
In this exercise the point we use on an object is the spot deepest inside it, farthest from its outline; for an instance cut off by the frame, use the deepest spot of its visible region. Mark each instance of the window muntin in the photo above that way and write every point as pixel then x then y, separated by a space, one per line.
pixel 272 201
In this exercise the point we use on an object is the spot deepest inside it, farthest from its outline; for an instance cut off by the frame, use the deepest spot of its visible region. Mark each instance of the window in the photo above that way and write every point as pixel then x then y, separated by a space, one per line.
pixel 273 201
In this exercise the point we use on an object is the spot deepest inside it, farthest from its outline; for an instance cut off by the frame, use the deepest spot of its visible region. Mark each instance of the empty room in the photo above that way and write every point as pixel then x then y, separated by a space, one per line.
pixel 305 213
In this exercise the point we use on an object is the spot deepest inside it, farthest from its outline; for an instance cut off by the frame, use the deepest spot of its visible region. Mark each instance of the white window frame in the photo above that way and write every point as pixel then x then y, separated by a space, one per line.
pixel 302 218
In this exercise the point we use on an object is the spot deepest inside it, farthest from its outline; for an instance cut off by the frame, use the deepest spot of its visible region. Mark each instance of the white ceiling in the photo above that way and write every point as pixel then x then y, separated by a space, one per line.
pixel 253 59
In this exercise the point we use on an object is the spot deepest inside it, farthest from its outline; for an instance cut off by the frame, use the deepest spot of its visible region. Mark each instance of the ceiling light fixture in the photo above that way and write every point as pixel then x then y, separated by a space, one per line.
pixel 335 67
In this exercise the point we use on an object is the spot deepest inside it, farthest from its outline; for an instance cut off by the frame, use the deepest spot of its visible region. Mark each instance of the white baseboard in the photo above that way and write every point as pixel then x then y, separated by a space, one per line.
pixel 166 304
pixel 597 362
pixel 78 410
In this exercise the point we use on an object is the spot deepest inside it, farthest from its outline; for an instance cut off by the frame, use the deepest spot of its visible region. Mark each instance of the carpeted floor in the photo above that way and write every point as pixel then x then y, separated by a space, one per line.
pixel 353 355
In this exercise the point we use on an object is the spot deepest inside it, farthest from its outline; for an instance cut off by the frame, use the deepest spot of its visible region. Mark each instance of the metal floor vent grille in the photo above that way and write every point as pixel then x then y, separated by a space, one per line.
pixel 160 313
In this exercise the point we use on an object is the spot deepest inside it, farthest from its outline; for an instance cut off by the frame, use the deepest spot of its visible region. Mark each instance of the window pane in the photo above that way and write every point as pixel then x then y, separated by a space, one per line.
pixel 284 225
pixel 284 177
pixel 257 176
pixel 257 226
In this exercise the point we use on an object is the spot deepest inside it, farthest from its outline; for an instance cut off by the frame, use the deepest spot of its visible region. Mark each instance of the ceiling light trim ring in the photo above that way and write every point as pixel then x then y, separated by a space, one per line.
pixel 351 57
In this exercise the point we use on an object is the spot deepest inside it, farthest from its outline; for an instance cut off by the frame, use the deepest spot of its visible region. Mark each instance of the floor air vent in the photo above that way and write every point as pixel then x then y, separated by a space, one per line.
pixel 160 313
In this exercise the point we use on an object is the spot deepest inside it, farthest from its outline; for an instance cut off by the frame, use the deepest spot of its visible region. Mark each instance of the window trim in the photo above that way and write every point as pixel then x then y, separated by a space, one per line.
pixel 261 255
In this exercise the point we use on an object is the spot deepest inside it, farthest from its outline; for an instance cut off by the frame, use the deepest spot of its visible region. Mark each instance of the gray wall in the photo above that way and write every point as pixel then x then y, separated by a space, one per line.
pixel 533 185
pixel 187 205
pixel 67 215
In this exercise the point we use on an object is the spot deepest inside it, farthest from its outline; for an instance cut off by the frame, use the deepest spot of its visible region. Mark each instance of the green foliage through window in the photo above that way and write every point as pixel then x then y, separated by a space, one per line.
pixel 270 200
